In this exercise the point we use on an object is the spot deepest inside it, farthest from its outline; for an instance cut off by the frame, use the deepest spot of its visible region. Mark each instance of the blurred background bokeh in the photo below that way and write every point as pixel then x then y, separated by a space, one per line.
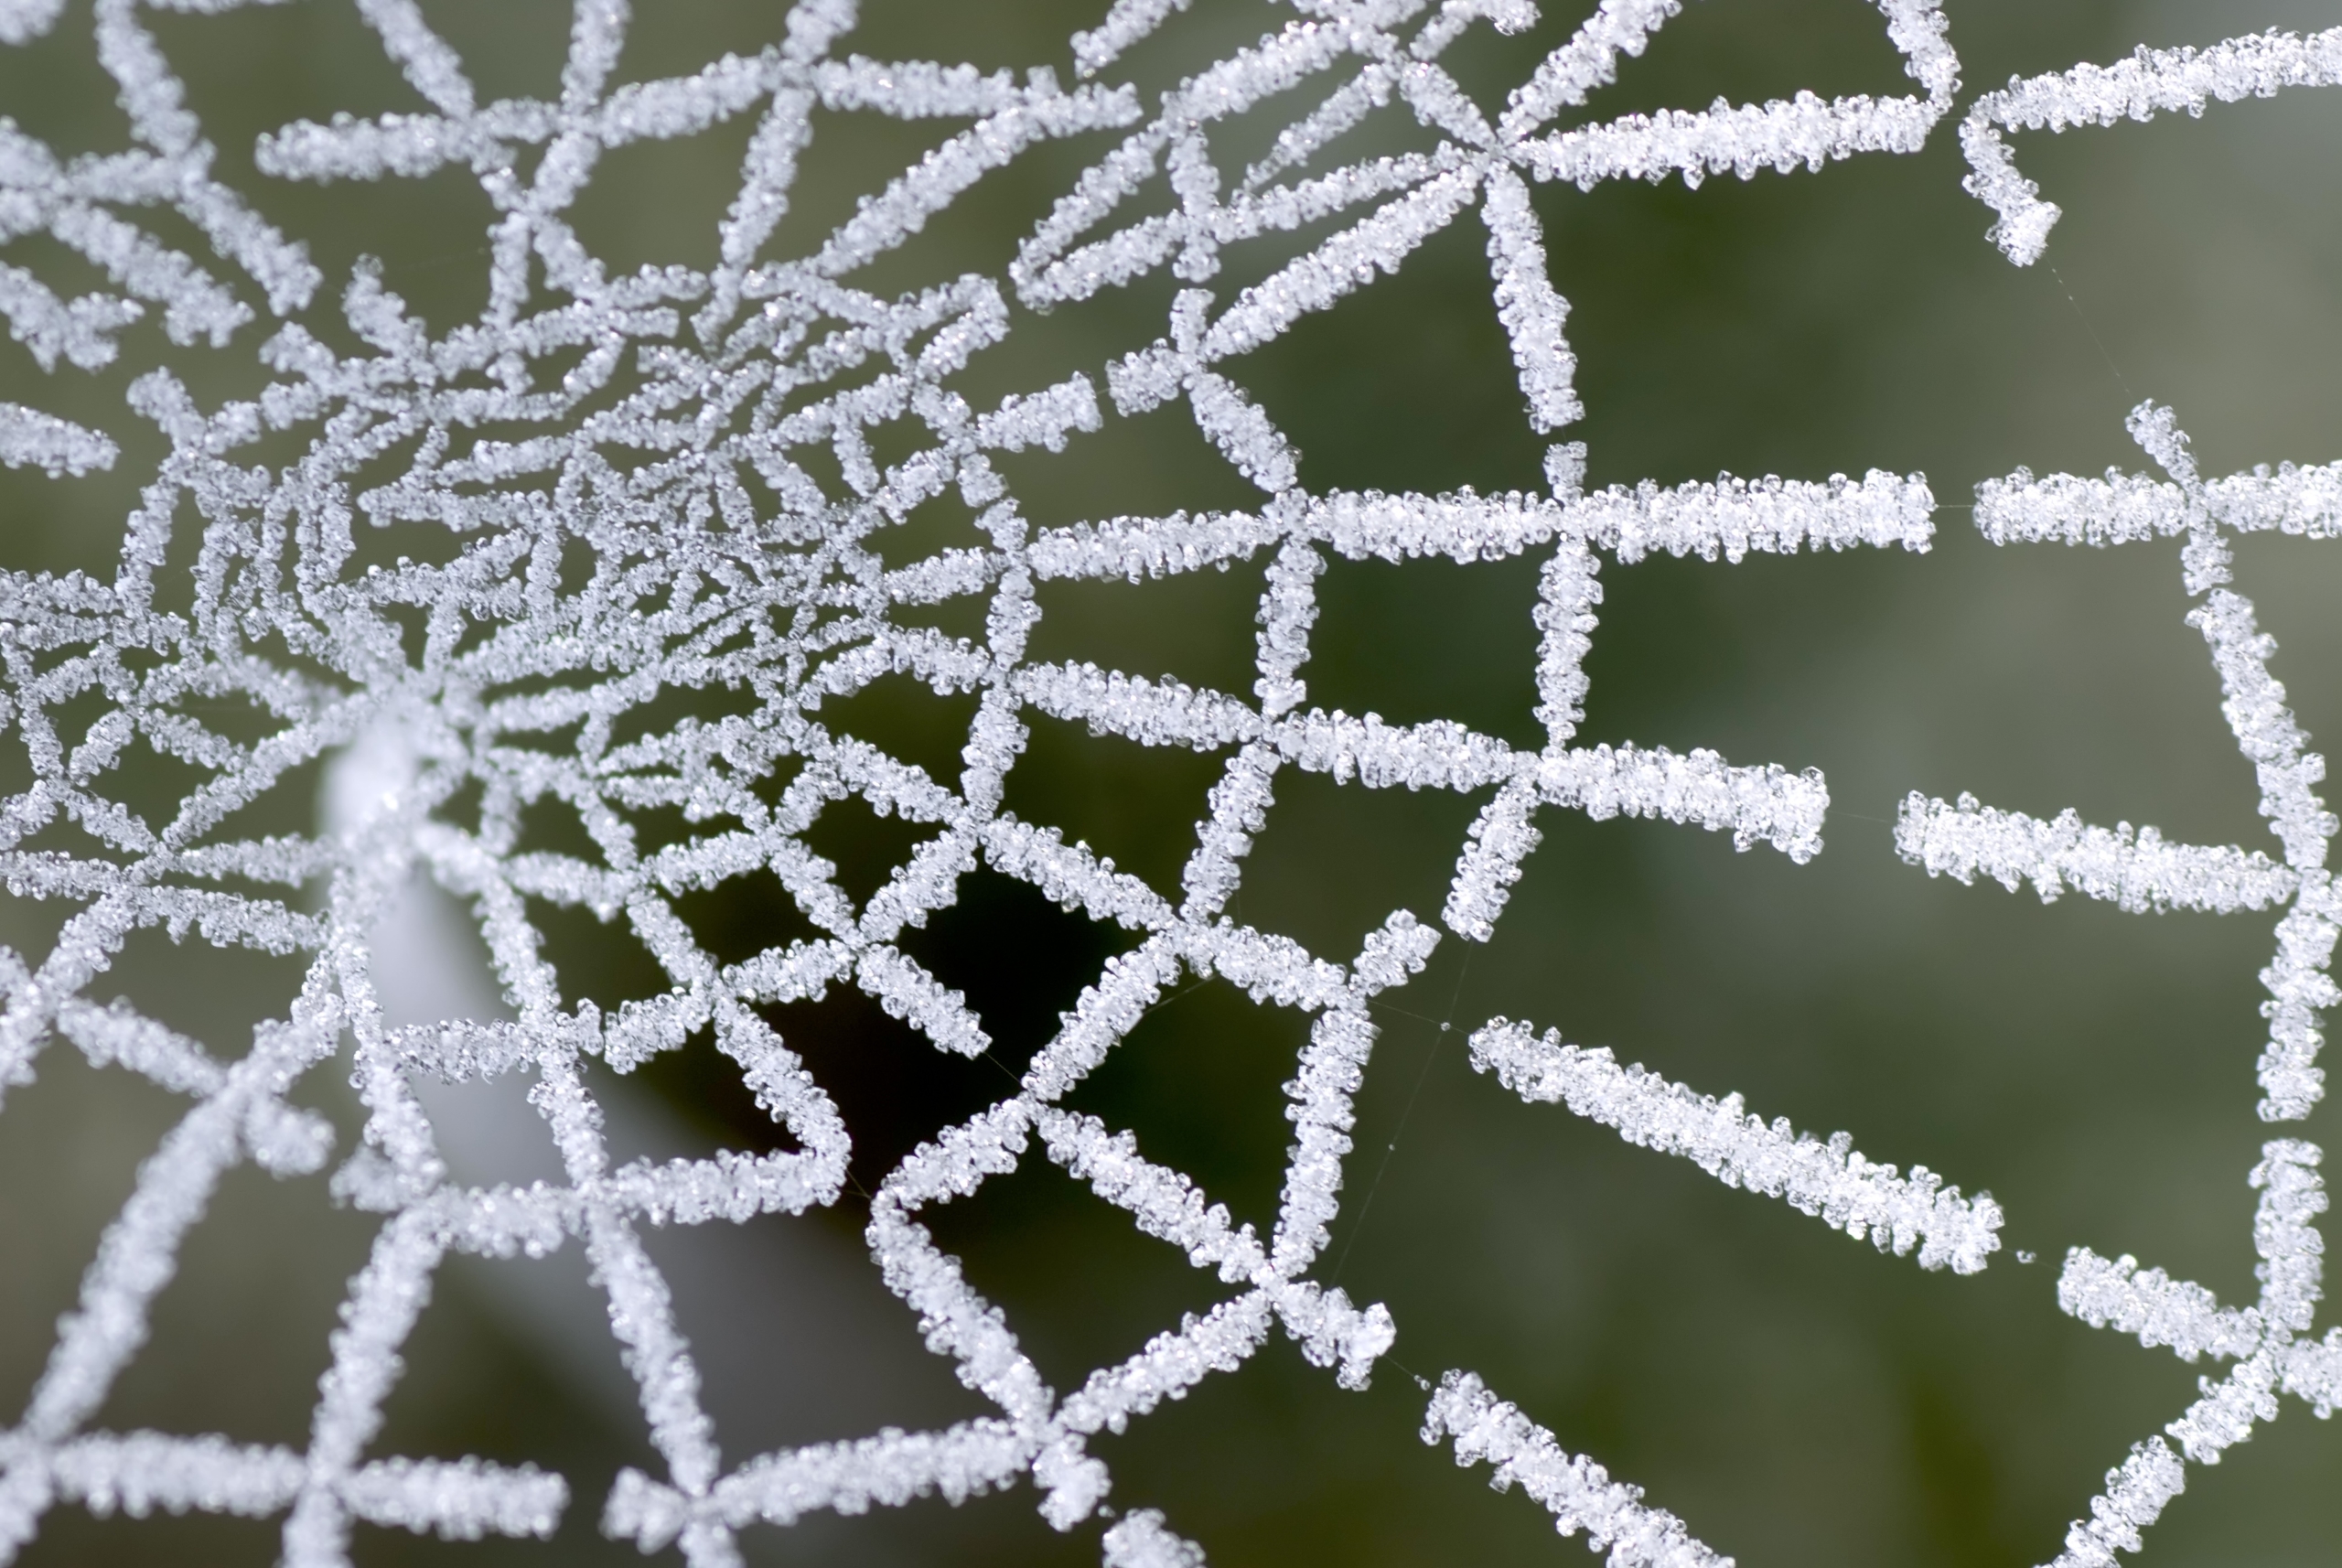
pixel 1796 1398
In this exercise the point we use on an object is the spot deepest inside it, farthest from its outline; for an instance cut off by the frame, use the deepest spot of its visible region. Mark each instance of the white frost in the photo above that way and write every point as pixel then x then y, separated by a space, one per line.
pixel 678 485
pixel 2139 871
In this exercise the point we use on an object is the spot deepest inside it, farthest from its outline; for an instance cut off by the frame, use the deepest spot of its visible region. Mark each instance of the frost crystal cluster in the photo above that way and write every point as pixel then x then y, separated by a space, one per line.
pixel 618 470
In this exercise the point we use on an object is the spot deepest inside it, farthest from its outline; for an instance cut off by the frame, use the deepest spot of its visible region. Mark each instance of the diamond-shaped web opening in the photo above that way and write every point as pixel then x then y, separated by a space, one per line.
pixel 657 203
pixel 1429 639
pixel 910 722
pixel 893 1087
pixel 598 961
pixel 1135 805
pixel 1331 852
pixel 1199 1081
pixel 1440 365
pixel 1021 961
pixel 1072 1276
pixel 1150 464
pixel 867 849
pixel 1197 627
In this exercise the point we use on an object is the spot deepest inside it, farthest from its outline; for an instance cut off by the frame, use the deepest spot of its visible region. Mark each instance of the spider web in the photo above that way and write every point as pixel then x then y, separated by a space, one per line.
pixel 676 481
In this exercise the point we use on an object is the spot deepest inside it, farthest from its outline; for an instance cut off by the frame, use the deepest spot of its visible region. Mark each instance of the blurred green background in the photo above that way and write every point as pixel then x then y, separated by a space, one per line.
pixel 1794 1396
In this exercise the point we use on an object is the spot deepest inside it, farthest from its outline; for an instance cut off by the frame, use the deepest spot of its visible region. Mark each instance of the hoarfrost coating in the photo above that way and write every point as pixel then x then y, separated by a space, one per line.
pixel 2139 871
pixel 658 424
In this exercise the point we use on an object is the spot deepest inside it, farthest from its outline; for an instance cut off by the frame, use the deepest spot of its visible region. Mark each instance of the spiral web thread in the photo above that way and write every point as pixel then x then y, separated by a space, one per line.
pixel 657 425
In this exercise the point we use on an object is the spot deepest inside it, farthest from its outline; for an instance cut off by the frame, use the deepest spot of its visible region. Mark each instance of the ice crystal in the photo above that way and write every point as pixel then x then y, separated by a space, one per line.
pixel 660 425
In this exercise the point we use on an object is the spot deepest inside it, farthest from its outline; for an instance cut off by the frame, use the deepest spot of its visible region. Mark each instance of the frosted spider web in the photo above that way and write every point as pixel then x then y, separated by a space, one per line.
pixel 662 421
